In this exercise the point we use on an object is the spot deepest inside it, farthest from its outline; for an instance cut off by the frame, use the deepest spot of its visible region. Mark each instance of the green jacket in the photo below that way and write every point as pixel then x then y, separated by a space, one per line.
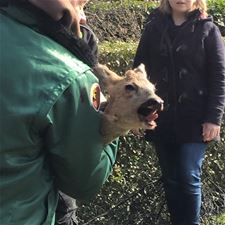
pixel 49 128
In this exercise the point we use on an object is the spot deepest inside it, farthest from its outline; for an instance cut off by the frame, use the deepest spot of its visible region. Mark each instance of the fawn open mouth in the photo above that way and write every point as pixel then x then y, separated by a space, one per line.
pixel 148 112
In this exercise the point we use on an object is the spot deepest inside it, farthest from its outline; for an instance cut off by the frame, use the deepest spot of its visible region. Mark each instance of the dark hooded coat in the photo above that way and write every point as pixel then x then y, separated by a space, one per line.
pixel 187 65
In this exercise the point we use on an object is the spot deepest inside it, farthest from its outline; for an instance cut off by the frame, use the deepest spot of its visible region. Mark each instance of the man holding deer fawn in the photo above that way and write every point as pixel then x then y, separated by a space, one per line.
pixel 49 100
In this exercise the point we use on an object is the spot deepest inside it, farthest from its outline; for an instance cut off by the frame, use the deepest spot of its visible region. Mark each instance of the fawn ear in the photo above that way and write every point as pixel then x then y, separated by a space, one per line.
pixel 106 76
pixel 141 70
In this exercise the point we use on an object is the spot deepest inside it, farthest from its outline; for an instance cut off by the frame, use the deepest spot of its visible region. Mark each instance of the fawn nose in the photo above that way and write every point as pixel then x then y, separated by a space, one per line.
pixel 156 103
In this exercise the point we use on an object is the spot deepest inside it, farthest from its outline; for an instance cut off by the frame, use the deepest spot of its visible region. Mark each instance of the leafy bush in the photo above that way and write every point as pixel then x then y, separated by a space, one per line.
pixel 117 55
pixel 118 20
pixel 117 4
pixel 217 10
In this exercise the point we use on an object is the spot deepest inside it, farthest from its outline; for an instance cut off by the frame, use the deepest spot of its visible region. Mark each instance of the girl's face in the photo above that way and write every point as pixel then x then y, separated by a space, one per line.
pixel 182 6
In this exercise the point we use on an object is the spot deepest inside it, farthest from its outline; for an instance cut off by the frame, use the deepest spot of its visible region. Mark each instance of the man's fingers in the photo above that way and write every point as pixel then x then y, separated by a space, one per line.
pixel 75 26
pixel 76 29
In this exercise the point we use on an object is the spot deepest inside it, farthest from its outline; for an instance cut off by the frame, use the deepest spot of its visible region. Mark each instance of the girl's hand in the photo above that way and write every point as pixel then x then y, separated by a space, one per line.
pixel 210 131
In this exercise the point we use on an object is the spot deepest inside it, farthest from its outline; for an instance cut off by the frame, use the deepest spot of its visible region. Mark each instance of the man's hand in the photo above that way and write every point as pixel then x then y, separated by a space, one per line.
pixel 210 131
pixel 57 8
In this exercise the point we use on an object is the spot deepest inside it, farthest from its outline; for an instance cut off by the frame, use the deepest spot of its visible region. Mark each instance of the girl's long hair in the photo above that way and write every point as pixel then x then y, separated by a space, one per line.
pixel 164 6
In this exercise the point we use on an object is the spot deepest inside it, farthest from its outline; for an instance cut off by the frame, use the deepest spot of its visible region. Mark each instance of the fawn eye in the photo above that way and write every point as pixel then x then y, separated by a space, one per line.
pixel 130 87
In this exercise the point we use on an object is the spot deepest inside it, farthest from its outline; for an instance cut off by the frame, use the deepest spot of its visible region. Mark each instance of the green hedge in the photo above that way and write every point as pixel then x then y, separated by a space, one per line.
pixel 217 10
pixel 113 19
pixel 109 5
pixel 117 55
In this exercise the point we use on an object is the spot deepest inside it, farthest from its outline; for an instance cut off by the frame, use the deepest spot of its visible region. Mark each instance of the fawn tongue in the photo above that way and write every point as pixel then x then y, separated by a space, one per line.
pixel 152 116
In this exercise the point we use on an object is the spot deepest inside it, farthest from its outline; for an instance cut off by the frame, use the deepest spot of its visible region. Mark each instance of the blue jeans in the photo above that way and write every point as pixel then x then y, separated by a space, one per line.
pixel 181 172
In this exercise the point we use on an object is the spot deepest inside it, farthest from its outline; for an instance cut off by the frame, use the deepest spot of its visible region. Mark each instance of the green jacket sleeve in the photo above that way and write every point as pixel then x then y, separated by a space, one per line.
pixel 80 162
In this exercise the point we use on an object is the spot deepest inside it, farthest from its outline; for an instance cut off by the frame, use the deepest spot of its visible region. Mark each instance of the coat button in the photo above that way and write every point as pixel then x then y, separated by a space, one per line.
pixel 165 75
pixel 182 73
pixel 182 47
pixel 200 92
pixel 182 97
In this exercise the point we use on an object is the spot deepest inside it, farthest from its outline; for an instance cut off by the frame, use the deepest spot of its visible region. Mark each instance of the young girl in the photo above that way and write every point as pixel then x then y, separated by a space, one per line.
pixel 184 55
